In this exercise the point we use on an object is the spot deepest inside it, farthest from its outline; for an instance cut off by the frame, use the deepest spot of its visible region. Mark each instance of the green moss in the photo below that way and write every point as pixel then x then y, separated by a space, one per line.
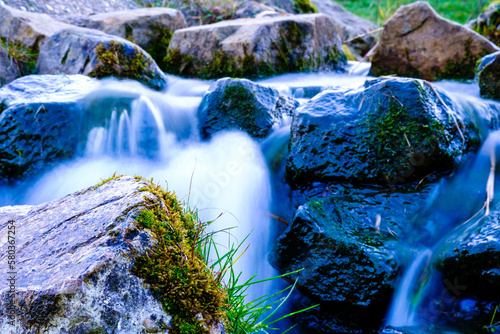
pixel 488 80
pixel 24 57
pixel 305 6
pixel 158 50
pixel 489 28
pixel 115 60
pixel 103 182
pixel 175 268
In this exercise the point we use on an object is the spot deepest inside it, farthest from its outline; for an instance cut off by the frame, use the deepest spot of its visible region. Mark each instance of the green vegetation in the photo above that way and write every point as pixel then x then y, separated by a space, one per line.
pixel 488 26
pixel 24 57
pixel 379 11
pixel 196 292
pixel 159 45
pixel 305 6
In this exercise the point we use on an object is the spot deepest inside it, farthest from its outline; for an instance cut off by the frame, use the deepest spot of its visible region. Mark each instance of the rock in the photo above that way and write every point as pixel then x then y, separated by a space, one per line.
pixel 40 122
pixel 244 105
pixel 150 28
pixel 489 77
pixel 488 23
pixel 257 47
pixel 8 68
pixel 389 131
pixel 79 261
pixel 25 32
pixel 350 26
pixel 96 54
pixel 346 243
pixel 252 9
pixel 417 42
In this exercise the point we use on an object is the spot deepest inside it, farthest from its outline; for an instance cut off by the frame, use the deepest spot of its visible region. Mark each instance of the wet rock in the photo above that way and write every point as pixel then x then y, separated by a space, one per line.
pixel 244 105
pixel 150 28
pixel 489 76
pixel 488 23
pixel 73 256
pixel 389 131
pixel 96 54
pixel 417 42
pixel 8 68
pixel 346 242
pixel 40 122
pixel 350 26
pixel 257 47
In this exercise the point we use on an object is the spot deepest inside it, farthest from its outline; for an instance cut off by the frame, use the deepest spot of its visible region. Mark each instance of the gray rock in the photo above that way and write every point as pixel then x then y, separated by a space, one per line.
pixel 96 54
pixel 243 105
pixel 8 68
pixel 257 47
pixel 350 26
pixel 389 131
pixel 73 263
pixel 150 28
pixel 417 42
pixel 252 9
pixel 488 23
pixel 40 122
pixel 488 76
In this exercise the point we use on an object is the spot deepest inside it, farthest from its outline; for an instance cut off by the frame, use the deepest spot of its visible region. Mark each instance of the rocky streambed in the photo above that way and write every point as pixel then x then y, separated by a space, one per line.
pixel 380 188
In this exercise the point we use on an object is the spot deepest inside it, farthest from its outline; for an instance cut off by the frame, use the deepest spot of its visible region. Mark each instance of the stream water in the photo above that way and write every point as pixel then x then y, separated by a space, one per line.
pixel 157 137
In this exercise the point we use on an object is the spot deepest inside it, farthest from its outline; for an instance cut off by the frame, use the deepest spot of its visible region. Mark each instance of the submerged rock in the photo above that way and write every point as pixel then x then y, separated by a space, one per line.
pixel 244 105
pixel 257 47
pixel 78 257
pixel 40 122
pixel 96 54
pixel 489 76
pixel 150 28
pixel 488 23
pixel 8 67
pixel 389 131
pixel 346 244
pixel 417 42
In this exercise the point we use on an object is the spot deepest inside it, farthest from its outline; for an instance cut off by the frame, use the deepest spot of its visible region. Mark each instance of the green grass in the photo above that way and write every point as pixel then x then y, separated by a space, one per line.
pixel 379 11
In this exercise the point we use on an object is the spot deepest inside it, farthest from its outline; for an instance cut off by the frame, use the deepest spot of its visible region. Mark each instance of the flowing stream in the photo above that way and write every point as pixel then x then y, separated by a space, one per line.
pixel 228 178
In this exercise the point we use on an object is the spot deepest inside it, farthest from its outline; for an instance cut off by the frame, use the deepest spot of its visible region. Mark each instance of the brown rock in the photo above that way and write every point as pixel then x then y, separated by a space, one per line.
pixel 417 42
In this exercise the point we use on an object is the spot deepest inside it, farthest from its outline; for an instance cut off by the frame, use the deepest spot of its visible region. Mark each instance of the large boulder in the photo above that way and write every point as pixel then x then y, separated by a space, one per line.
pixel 8 67
pixel 346 243
pixel 488 23
pixel 257 47
pixel 350 26
pixel 489 76
pixel 389 131
pixel 81 267
pixel 96 54
pixel 243 105
pixel 150 28
pixel 417 42
pixel 40 122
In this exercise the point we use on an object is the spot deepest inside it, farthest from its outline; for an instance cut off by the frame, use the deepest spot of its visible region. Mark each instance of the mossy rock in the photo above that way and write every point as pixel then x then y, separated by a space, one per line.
pixel 257 48
pixel 489 77
pixel 389 131
pixel 488 23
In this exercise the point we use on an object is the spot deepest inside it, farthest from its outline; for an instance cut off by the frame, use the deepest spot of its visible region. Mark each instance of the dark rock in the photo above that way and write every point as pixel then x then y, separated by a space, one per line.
pixel 389 131
pixel 40 122
pixel 96 54
pixel 346 242
pixel 8 68
pixel 489 76
pixel 244 105
pixel 254 48
pixel 488 23
pixel 417 42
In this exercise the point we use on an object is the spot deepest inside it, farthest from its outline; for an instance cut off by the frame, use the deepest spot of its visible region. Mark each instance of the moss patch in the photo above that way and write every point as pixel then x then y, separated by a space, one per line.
pixel 121 62
pixel 175 268
pixel 159 45
pixel 305 6
pixel 24 57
